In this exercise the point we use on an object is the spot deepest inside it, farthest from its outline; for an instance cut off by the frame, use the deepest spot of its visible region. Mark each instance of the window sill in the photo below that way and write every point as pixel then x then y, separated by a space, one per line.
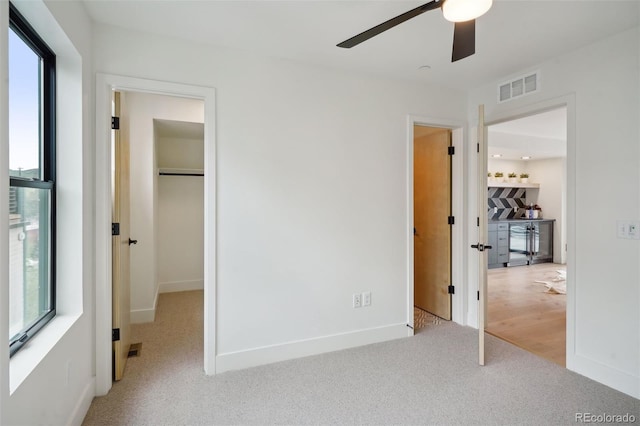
pixel 25 361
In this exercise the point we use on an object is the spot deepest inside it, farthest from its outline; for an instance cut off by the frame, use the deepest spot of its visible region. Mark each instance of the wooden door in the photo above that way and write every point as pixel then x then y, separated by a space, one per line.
pixel 482 234
pixel 432 208
pixel 121 309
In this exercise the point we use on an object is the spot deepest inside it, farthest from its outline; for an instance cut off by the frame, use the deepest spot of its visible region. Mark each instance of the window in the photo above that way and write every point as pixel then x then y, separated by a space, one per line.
pixel 32 201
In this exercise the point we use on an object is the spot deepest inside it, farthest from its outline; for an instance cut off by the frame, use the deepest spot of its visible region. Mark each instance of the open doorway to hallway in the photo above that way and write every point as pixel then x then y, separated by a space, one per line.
pixel 527 200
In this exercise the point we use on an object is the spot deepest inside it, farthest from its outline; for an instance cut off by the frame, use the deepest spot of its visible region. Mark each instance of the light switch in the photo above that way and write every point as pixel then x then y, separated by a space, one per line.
pixel 628 229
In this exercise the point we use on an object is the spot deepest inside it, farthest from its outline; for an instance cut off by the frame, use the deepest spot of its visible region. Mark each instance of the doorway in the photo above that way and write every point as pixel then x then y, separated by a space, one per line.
pixel 527 211
pixel 166 207
pixel 432 220
pixel 105 85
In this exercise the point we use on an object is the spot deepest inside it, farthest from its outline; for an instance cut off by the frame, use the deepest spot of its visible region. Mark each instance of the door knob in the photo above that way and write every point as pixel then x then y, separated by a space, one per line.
pixel 481 247
pixel 132 241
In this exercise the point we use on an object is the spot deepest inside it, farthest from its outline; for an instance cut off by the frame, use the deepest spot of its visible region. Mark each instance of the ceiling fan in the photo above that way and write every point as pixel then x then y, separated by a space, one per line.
pixel 462 12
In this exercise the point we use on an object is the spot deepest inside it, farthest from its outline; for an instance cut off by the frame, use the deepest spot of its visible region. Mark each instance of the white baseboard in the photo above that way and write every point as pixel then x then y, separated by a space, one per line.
pixel 140 316
pixel 84 402
pixel 171 287
pixel 609 376
pixel 302 348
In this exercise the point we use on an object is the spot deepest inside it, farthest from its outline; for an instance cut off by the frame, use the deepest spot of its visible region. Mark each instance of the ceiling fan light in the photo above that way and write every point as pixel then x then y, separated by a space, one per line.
pixel 465 10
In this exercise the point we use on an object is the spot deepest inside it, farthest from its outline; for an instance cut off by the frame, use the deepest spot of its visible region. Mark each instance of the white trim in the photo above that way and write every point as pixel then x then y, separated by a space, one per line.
pixel 142 316
pixel 567 101
pixel 612 377
pixel 174 286
pixel 458 254
pixel 300 348
pixel 79 412
pixel 105 84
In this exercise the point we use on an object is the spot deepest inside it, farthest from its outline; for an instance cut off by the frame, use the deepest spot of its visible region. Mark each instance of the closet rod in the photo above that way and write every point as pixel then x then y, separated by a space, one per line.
pixel 180 174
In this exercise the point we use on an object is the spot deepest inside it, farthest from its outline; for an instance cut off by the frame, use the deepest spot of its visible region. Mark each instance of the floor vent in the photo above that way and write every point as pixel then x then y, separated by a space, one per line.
pixel 518 87
pixel 134 350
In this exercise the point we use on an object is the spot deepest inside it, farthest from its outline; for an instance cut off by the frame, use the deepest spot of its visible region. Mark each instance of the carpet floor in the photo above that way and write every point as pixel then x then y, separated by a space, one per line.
pixel 431 378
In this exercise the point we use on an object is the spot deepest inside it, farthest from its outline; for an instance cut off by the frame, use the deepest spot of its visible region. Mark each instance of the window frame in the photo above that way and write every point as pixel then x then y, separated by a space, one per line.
pixel 47 163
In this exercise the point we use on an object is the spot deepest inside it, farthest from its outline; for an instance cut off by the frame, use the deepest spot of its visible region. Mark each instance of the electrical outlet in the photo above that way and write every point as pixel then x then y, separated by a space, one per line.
pixel 366 298
pixel 495 210
pixel 357 300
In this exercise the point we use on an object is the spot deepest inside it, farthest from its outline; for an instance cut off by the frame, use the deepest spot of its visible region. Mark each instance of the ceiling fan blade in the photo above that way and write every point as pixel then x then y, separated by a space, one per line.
pixel 464 40
pixel 366 35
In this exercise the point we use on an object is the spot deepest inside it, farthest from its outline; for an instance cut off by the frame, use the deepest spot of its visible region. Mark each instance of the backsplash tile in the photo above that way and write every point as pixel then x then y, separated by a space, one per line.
pixel 505 199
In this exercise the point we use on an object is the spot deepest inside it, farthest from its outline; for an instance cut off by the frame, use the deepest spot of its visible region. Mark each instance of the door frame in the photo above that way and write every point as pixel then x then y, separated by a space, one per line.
pixel 568 102
pixel 458 299
pixel 105 84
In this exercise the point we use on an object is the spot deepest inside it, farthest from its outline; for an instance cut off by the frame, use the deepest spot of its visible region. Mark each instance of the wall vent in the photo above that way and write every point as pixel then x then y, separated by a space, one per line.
pixel 521 86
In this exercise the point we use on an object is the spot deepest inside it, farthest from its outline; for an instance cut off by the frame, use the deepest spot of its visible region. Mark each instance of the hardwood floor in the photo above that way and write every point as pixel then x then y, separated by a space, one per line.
pixel 522 312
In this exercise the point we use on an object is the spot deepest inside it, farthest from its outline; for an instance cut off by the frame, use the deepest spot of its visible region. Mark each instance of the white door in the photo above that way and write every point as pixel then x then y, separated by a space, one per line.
pixel 482 246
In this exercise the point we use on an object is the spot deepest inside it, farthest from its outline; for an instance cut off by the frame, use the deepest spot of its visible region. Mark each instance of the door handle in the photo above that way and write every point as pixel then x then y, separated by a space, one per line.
pixel 481 247
pixel 132 241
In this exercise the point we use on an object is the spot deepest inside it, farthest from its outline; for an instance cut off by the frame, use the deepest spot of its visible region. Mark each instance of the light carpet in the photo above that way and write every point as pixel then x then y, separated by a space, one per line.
pixel 431 378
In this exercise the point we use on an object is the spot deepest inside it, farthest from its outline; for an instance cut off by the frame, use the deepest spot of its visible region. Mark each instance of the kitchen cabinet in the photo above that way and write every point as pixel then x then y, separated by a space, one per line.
pixel 498 239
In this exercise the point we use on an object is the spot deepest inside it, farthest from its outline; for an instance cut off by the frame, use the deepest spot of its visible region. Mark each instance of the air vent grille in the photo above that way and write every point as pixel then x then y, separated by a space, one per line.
pixel 521 86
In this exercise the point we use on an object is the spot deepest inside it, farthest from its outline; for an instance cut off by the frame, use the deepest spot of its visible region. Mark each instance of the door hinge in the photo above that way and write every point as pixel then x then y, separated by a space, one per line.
pixel 115 123
pixel 478 148
pixel 478 222
pixel 115 229
pixel 451 150
pixel 451 289
pixel 115 334
pixel 478 295
pixel 451 220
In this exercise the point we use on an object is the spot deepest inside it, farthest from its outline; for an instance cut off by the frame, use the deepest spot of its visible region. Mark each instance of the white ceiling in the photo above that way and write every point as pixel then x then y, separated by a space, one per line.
pixel 538 136
pixel 513 35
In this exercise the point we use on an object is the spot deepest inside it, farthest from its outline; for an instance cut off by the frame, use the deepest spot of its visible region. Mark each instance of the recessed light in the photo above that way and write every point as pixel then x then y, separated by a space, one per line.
pixel 424 67
pixel 525 157
pixel 497 155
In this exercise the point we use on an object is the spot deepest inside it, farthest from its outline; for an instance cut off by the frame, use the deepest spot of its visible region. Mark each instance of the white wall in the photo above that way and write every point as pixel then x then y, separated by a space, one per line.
pixel 180 233
pixel 551 196
pixel 506 166
pixel 141 109
pixel 311 192
pixel 180 153
pixel 50 381
pixel 601 83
